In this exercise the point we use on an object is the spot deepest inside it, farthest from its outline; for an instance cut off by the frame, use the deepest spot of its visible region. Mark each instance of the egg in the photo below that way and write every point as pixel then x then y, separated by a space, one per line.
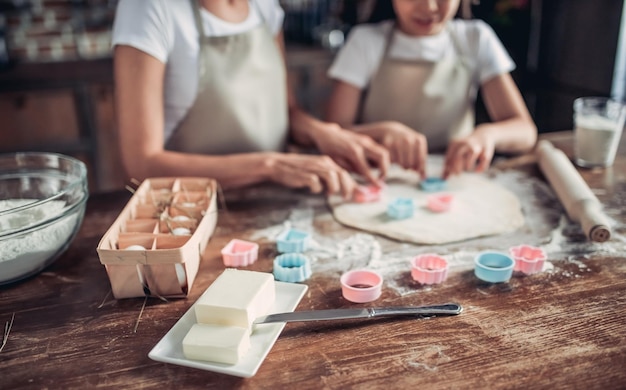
pixel 135 248
pixel 181 231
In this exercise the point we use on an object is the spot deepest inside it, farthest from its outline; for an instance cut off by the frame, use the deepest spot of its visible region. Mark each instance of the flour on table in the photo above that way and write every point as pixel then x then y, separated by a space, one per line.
pixel 335 250
pixel 481 207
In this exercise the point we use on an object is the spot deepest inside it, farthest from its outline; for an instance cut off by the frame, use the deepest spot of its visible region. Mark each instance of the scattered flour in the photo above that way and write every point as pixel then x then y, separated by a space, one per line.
pixel 547 226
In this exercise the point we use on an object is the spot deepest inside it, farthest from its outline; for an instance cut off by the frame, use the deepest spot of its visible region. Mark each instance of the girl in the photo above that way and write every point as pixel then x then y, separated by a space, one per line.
pixel 201 91
pixel 411 84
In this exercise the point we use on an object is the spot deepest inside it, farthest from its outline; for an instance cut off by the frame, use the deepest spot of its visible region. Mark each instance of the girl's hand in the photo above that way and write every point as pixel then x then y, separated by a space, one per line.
pixel 406 146
pixel 354 152
pixel 317 173
pixel 473 153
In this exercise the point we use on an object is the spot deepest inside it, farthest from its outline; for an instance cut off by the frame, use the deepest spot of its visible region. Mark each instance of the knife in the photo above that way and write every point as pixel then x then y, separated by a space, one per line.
pixel 344 314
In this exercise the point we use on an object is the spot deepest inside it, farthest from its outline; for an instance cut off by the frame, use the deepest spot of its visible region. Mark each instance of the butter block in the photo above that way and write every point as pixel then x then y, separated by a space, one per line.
pixel 216 343
pixel 236 298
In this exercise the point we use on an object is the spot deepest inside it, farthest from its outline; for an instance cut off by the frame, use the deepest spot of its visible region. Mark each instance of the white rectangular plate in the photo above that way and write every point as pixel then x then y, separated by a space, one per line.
pixel 170 348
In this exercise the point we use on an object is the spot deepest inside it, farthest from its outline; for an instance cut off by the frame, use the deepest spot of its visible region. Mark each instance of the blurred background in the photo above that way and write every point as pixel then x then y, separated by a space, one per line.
pixel 56 81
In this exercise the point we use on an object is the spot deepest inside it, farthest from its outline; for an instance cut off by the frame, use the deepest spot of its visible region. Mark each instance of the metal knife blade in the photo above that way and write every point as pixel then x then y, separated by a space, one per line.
pixel 343 314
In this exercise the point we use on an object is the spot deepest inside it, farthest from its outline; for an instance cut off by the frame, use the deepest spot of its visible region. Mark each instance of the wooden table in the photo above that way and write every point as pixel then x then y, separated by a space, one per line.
pixel 563 328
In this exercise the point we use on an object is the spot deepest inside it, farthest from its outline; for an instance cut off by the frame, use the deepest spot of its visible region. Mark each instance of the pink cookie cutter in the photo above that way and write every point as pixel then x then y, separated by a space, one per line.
pixel 361 286
pixel 366 193
pixel 240 253
pixel 439 203
pixel 528 259
pixel 429 268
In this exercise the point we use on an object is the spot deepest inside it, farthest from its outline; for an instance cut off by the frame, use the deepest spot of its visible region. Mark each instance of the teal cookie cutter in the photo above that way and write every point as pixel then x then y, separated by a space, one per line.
pixel 432 184
pixel 292 267
pixel 400 208
pixel 292 241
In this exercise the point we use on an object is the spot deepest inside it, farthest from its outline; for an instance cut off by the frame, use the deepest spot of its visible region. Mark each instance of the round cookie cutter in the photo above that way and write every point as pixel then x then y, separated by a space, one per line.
pixel 292 267
pixel 528 259
pixel 361 285
pixel 429 268
pixel 493 267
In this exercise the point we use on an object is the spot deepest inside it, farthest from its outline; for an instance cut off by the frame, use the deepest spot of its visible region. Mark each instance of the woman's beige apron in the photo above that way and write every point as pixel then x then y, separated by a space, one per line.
pixel 432 98
pixel 241 104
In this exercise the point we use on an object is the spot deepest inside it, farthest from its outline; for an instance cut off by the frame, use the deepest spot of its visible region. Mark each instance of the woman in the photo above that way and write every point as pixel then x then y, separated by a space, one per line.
pixel 201 91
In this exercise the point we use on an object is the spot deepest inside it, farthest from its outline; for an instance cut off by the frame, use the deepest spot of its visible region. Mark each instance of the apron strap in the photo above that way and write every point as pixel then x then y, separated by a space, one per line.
pixel 202 66
pixel 455 43
pixel 389 38
pixel 198 19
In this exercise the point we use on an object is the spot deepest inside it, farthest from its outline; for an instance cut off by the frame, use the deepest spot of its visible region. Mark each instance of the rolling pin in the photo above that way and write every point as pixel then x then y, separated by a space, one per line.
pixel 580 203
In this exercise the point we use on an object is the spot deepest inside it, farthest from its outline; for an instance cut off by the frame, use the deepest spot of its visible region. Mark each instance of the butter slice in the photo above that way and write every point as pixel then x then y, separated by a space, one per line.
pixel 216 343
pixel 236 298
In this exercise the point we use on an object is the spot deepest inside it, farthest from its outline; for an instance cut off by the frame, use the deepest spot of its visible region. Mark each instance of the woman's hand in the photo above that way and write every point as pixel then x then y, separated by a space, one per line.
pixel 354 152
pixel 473 153
pixel 317 173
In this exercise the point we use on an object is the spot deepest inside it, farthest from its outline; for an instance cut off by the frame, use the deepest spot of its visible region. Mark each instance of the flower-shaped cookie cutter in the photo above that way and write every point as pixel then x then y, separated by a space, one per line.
pixel 429 268
pixel 240 253
pixel 292 267
pixel 432 184
pixel 292 241
pixel 361 286
pixel 493 267
pixel 366 193
pixel 400 208
pixel 528 259
pixel 439 203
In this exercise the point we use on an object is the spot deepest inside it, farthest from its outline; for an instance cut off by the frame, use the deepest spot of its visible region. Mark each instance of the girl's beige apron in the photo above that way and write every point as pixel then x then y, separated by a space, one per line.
pixel 432 98
pixel 241 105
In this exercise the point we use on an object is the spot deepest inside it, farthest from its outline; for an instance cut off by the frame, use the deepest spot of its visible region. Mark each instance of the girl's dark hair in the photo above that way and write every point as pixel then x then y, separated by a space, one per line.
pixel 382 10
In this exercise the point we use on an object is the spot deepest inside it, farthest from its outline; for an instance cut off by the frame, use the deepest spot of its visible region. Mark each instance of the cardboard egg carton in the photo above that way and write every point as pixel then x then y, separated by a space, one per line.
pixel 155 245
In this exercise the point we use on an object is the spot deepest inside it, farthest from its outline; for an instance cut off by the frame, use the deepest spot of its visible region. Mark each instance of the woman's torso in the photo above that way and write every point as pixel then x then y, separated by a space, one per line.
pixel 165 29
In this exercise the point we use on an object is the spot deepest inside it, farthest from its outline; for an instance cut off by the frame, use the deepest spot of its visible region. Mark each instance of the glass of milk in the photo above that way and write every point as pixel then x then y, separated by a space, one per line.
pixel 598 125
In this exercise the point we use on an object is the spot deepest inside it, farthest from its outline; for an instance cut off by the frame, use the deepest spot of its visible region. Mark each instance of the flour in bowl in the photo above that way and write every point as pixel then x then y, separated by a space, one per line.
pixel 28 253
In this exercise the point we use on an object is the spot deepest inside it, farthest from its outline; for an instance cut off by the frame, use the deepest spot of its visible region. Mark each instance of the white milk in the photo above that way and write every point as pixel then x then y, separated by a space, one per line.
pixel 597 138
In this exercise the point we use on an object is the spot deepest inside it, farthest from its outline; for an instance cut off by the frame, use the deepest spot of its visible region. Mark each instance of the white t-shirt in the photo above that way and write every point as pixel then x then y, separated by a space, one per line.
pixel 358 60
pixel 166 30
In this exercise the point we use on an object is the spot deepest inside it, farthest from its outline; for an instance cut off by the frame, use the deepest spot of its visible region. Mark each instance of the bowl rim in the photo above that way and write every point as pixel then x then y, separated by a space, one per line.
pixel 83 182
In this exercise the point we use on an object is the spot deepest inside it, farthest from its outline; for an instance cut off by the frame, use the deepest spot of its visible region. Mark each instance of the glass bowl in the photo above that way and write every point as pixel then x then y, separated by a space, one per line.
pixel 42 204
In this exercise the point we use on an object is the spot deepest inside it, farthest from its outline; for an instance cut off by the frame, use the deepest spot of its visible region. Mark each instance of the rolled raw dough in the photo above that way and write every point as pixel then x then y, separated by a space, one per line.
pixel 480 207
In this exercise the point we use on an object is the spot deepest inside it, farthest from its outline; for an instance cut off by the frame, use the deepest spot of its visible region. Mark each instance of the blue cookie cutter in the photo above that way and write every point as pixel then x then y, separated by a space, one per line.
pixel 292 240
pixel 432 184
pixel 400 208
pixel 493 267
pixel 292 267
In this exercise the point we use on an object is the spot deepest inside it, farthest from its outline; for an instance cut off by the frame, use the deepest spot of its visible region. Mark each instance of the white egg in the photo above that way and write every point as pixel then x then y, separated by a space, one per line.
pixel 181 231
pixel 135 248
